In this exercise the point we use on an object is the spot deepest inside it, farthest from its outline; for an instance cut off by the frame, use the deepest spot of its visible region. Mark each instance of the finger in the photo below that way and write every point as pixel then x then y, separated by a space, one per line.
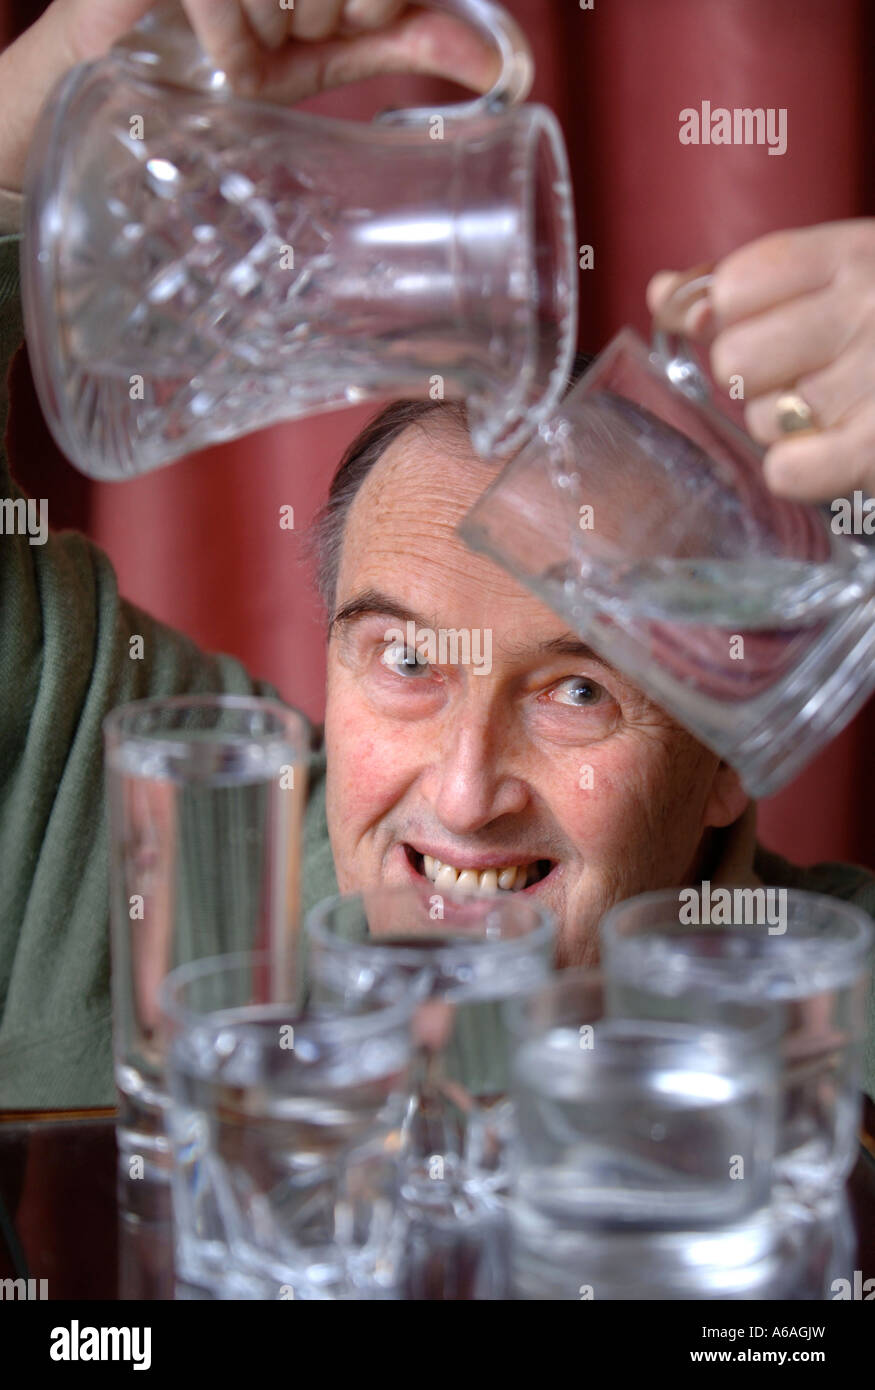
pixel 660 287
pixel 431 43
pixel 833 394
pixel 315 19
pixel 675 311
pixel 779 266
pixel 371 14
pixel 268 21
pixel 776 348
pixel 826 465
pixel 223 29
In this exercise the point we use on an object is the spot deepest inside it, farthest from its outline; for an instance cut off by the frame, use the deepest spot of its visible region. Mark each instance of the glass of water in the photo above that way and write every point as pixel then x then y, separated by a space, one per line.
pixel 464 956
pixel 809 953
pixel 206 800
pixel 644 1116
pixel 285 1126
pixel 646 1142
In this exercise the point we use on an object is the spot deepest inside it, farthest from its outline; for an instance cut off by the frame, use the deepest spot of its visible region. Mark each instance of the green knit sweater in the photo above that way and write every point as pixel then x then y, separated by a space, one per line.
pixel 64 663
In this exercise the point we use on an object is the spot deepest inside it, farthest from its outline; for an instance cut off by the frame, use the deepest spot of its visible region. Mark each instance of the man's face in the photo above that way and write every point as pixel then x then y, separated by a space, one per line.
pixel 550 761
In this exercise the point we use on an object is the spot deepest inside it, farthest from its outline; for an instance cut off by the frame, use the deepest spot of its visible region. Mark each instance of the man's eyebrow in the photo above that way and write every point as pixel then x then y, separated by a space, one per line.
pixel 568 645
pixel 573 646
pixel 372 602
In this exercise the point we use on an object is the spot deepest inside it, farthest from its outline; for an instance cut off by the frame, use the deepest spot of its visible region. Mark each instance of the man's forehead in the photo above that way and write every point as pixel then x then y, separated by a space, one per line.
pixel 402 522
pixel 430 473
pixel 402 557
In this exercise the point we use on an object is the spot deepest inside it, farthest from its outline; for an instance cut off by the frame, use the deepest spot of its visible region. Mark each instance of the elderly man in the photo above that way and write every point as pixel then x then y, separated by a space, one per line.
pixel 433 769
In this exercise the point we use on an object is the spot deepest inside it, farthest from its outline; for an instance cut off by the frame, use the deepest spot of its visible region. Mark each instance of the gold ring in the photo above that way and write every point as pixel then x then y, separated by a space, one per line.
pixel 795 415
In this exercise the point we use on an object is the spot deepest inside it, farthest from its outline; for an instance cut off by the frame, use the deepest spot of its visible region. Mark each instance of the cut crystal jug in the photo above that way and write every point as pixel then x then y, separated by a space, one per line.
pixel 197 266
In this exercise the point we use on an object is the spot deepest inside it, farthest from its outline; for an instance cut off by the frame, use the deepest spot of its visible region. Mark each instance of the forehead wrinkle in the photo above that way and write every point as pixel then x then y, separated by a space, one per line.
pixel 414 474
pixel 409 572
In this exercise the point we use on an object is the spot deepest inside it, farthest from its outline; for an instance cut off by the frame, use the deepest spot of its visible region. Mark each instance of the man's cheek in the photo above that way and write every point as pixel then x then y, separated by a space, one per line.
pixel 611 798
pixel 365 760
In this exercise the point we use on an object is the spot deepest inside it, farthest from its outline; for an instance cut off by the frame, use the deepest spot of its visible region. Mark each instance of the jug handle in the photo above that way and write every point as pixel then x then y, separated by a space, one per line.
pixel 514 81
pixel 671 349
pixel 164 37
pixel 673 352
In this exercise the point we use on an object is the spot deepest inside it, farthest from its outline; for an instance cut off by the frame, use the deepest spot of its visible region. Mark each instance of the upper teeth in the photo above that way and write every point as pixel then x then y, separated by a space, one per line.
pixel 513 877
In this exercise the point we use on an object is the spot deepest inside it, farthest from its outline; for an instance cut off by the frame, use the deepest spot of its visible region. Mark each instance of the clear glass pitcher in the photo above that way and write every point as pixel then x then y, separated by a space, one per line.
pixel 197 266
pixel 640 513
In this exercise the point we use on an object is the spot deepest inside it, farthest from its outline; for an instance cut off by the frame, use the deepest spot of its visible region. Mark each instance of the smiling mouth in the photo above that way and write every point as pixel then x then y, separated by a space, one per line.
pixel 511 878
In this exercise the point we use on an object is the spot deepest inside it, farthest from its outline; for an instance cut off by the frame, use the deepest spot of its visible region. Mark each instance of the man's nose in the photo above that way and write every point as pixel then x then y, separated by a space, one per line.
pixel 474 776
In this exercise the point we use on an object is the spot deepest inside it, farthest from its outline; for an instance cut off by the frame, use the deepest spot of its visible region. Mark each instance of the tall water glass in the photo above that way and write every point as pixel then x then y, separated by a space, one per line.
pixel 810 953
pixel 206 798
pixel 285 1125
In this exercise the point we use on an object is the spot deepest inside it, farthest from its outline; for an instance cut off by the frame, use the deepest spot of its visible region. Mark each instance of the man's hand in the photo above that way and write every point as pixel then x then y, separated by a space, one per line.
pixel 267 51
pixel 795 311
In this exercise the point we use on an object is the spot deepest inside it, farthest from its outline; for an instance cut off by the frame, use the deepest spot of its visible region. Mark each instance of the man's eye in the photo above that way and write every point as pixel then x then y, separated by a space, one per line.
pixel 404 661
pixel 579 691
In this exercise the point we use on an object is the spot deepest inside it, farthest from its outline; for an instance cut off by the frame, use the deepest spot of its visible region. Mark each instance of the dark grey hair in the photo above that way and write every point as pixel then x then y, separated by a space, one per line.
pixel 325 540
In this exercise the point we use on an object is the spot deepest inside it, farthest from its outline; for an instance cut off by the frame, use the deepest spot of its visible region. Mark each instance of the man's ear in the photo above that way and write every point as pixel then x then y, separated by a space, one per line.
pixel 727 798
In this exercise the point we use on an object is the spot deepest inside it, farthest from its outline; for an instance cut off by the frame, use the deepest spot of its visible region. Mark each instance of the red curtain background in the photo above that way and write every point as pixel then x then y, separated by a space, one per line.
pixel 199 545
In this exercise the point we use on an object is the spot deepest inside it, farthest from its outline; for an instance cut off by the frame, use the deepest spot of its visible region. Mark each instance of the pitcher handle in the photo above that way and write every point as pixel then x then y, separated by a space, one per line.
pixel 164 41
pixel 680 358
pixel 675 353
pixel 514 81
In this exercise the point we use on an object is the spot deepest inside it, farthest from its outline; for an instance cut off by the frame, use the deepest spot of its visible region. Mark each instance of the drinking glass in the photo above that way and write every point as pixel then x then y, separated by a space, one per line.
pixel 464 956
pixel 643 1116
pixel 759 1258
pixel 813 960
pixel 198 266
pixel 646 1140
pixel 206 799
pixel 285 1125
pixel 640 513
